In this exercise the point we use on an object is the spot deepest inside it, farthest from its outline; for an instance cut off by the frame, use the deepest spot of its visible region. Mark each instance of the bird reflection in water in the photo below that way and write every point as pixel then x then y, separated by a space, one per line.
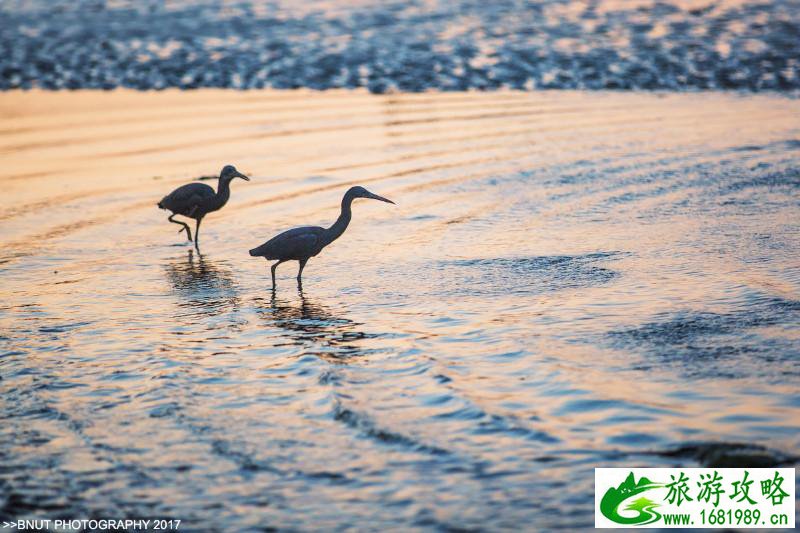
pixel 204 286
pixel 315 327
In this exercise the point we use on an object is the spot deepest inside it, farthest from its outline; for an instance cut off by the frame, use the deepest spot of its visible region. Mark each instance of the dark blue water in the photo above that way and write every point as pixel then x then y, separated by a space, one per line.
pixel 402 46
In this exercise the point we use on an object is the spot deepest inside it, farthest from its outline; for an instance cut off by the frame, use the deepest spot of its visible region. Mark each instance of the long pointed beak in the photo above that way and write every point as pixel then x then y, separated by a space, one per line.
pixel 240 175
pixel 381 198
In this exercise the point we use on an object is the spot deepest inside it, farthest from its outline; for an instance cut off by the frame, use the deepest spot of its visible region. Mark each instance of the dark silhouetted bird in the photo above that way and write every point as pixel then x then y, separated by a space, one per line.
pixel 196 200
pixel 299 244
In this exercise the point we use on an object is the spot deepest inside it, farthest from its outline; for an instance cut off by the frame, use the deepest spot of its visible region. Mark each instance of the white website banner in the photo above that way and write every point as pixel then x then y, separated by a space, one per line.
pixel 740 498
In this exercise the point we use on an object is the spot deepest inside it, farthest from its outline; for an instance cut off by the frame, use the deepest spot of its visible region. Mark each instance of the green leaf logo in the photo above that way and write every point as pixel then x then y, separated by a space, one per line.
pixel 645 508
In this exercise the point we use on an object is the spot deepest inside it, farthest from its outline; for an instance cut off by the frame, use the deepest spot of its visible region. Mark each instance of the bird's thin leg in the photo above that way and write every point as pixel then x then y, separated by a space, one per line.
pixel 185 226
pixel 197 234
pixel 300 272
pixel 273 272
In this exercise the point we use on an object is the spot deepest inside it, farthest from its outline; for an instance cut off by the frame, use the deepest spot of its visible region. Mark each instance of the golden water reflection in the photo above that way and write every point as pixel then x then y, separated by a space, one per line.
pixel 568 280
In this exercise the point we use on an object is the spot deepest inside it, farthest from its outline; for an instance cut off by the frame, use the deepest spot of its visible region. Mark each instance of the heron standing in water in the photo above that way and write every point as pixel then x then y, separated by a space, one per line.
pixel 196 200
pixel 300 244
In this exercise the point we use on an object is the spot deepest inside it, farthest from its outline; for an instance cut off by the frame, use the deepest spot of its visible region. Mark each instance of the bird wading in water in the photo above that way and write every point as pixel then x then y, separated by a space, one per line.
pixel 300 244
pixel 196 200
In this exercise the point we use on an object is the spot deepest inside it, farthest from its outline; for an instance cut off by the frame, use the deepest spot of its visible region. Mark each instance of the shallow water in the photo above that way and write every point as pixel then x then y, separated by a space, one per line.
pixel 568 280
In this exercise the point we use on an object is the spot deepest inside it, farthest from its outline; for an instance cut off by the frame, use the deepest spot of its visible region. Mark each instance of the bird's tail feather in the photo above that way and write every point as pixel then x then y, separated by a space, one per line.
pixel 262 251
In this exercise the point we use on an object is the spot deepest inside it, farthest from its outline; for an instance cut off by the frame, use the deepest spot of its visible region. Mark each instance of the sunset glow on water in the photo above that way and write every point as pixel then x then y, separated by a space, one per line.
pixel 568 280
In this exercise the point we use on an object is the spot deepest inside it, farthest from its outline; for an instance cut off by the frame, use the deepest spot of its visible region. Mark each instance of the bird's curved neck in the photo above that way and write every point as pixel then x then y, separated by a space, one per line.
pixel 335 231
pixel 223 192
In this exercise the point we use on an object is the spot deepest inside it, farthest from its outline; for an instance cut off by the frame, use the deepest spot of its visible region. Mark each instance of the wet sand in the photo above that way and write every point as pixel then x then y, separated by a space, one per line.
pixel 569 280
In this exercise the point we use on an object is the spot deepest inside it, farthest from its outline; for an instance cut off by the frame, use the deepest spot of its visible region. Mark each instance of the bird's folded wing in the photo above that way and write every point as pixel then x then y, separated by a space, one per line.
pixel 191 193
pixel 298 245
